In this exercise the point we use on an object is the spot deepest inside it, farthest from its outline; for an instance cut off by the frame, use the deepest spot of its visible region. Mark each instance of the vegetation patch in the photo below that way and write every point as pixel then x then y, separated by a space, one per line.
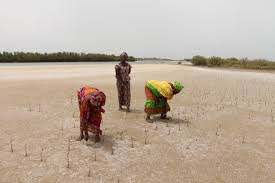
pixel 259 64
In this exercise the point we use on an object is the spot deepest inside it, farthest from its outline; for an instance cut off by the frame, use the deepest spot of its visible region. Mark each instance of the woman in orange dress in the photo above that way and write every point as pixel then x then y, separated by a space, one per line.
pixel 90 100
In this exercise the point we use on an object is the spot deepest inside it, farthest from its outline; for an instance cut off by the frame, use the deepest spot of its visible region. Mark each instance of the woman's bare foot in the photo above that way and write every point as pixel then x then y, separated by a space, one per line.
pixel 86 136
pixel 80 137
pixel 97 138
pixel 164 116
pixel 148 118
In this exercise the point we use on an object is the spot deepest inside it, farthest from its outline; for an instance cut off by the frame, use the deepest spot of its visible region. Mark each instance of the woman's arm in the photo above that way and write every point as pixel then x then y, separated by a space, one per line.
pixel 102 110
pixel 86 112
pixel 117 72
pixel 130 68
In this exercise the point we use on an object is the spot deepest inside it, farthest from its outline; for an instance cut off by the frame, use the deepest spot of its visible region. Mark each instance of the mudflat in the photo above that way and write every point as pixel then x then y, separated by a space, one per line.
pixel 222 127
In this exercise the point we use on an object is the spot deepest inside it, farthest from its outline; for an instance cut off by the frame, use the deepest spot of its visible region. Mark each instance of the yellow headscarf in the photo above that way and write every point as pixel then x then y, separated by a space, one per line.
pixel 163 87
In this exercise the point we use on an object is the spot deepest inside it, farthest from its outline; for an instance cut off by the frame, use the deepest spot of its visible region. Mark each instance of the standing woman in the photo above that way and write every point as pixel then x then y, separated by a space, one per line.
pixel 123 69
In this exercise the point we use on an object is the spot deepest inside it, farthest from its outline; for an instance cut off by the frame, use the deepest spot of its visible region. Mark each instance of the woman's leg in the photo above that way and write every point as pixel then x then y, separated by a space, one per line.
pixel 163 116
pixel 119 92
pixel 148 117
pixel 86 135
pixel 97 138
pixel 81 136
pixel 128 96
pixel 166 109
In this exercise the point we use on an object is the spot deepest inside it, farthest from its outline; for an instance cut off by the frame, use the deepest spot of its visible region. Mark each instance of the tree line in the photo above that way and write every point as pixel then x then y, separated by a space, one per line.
pixel 9 57
pixel 243 63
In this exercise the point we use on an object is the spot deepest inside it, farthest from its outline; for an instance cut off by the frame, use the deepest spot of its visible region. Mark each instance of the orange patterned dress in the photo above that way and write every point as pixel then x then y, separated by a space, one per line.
pixel 90 102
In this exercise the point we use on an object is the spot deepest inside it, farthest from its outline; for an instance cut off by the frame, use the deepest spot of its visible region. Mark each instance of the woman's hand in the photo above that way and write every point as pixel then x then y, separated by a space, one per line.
pixel 159 99
pixel 99 109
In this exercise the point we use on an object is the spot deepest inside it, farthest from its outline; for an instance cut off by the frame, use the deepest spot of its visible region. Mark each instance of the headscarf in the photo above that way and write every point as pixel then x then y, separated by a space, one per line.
pixel 98 99
pixel 123 54
pixel 162 88
pixel 178 86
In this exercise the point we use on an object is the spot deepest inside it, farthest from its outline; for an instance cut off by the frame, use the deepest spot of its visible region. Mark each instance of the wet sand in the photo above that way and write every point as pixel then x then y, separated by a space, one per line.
pixel 222 127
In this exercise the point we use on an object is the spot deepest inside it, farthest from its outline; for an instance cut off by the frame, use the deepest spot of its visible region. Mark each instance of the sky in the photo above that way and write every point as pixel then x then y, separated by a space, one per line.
pixel 143 28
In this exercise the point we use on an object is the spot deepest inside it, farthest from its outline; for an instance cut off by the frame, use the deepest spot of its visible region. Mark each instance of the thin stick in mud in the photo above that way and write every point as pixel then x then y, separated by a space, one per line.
pixel 26 150
pixel 41 154
pixel 11 145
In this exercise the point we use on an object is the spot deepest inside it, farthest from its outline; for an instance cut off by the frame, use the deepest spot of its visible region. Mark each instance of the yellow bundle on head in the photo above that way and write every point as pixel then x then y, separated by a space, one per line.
pixel 163 87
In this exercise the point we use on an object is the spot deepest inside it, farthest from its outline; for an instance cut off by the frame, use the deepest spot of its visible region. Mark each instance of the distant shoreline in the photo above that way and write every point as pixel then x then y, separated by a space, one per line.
pixel 34 57
pixel 82 61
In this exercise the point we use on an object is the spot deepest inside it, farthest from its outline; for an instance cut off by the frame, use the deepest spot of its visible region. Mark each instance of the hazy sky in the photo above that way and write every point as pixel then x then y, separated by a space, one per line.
pixel 143 28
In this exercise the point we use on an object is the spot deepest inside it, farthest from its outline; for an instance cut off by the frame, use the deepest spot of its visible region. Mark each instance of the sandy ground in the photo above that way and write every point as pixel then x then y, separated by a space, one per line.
pixel 222 127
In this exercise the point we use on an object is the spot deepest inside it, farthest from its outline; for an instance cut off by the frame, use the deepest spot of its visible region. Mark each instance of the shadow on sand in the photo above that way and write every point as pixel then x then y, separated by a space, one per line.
pixel 157 119
pixel 132 111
